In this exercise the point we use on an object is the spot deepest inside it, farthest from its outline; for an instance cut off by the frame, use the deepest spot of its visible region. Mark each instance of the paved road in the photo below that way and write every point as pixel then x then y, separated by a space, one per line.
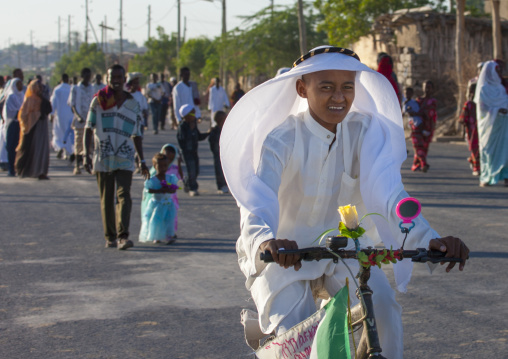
pixel 62 295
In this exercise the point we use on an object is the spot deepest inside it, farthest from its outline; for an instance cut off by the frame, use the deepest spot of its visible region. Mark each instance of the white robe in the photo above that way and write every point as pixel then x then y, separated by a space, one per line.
pixel 182 95
pixel 217 100
pixel 312 179
pixel 62 119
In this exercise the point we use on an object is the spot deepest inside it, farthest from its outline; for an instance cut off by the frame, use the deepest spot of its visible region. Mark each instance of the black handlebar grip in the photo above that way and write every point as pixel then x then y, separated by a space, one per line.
pixel 266 256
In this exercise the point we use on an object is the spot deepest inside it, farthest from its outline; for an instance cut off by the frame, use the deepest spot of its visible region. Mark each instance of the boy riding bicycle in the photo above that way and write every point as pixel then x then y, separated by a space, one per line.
pixel 327 133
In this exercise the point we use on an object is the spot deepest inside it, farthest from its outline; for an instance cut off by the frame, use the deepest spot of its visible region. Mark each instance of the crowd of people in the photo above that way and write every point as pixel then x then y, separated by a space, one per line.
pixel 108 121
pixel 484 117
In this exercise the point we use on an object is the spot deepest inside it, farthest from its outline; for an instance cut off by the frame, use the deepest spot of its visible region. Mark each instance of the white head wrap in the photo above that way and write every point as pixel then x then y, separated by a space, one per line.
pixel 185 109
pixel 133 75
pixel 267 106
pixel 17 98
pixel 490 96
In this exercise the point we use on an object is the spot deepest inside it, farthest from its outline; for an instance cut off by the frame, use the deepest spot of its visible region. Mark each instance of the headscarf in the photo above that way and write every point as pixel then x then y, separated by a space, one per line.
pixel 490 96
pixel 174 147
pixel 152 170
pixel 106 98
pixel 131 76
pixel 17 98
pixel 267 106
pixel 30 111
pixel 385 68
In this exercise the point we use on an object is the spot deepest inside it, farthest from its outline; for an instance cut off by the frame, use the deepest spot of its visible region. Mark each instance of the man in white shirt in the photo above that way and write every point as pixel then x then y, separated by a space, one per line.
pixel 98 85
pixel 62 118
pixel 217 100
pixel 183 94
pixel 325 134
pixel 154 92
pixel 79 100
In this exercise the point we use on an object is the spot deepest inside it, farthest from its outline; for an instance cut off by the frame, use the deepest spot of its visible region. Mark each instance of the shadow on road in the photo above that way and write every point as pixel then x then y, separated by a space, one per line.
pixel 488 254
pixel 191 245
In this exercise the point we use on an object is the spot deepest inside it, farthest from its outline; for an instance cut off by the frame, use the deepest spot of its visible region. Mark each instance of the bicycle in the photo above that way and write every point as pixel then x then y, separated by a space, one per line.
pixel 362 314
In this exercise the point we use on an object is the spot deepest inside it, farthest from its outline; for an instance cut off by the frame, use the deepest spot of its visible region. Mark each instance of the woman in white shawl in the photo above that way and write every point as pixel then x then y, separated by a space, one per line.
pixel 14 99
pixel 289 173
pixel 492 114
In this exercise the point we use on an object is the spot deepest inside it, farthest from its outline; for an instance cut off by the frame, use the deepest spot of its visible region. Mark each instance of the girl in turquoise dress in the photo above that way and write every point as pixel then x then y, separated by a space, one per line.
pixel 157 207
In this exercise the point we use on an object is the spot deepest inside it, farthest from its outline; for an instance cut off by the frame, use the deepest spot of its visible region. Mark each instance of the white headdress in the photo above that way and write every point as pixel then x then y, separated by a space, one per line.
pixel 185 109
pixel 490 96
pixel 268 105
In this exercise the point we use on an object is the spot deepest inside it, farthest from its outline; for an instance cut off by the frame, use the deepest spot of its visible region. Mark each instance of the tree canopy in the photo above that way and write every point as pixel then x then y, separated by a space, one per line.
pixel 345 21
pixel 160 55
pixel 89 55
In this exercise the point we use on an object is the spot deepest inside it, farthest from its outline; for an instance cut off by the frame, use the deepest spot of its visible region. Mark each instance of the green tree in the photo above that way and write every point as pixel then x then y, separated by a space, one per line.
pixel 270 40
pixel 345 21
pixel 89 55
pixel 160 55
pixel 194 54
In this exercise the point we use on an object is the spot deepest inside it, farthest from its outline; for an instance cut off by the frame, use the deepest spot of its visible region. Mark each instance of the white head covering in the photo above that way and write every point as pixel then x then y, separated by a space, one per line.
pixel 133 75
pixel 490 96
pixel 282 70
pixel 267 106
pixel 16 101
pixel 185 109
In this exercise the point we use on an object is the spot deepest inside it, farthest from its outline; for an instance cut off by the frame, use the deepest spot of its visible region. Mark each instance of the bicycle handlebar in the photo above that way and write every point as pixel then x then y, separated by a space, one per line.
pixel 420 255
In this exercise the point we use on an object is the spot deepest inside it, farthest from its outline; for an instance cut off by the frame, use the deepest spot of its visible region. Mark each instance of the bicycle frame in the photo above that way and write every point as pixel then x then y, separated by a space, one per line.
pixel 362 313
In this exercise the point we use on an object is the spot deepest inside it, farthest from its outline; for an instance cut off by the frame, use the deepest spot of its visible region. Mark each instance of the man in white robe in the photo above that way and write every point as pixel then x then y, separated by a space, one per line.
pixel 62 118
pixel 183 94
pixel 327 133
pixel 217 101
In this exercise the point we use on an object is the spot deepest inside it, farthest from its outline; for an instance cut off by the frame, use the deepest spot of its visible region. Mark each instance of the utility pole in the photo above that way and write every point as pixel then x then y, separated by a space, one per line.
pixel 86 22
pixel 59 40
pixel 69 35
pixel 121 37
pixel 104 31
pixel 223 57
pixel 32 47
pixel 178 32
pixel 149 19
pixel 184 28
pixel 301 27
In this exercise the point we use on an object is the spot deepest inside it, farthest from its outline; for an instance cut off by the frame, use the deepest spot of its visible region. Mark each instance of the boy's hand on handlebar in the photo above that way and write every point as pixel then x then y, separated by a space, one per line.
pixel 284 260
pixel 454 248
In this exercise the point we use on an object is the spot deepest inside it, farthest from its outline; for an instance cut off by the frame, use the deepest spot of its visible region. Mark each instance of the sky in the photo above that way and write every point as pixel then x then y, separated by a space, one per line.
pixel 23 17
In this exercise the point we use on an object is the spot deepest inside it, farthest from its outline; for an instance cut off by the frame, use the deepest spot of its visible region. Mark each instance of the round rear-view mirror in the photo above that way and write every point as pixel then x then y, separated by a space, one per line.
pixel 408 209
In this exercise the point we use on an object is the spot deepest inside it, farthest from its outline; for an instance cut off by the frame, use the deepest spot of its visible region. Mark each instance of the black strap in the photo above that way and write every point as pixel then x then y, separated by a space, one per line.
pixel 325 50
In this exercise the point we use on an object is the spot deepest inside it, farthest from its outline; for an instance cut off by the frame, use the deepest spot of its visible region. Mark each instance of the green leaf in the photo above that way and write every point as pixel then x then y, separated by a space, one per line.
pixel 371 214
pixel 350 233
pixel 321 236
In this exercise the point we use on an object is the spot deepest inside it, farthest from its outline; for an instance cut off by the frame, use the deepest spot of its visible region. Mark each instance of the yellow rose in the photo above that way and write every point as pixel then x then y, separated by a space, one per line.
pixel 348 216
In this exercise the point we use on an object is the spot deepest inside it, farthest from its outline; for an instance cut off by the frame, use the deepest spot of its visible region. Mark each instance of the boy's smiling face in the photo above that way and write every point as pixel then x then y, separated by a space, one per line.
pixel 330 94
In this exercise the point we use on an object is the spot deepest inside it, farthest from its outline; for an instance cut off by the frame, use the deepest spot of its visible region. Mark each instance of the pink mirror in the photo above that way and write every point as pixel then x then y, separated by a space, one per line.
pixel 408 209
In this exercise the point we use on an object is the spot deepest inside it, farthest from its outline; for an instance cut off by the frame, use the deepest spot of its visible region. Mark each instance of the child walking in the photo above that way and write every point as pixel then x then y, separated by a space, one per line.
pixel 157 207
pixel 428 111
pixel 188 137
pixel 171 152
pixel 412 108
pixel 468 119
pixel 219 118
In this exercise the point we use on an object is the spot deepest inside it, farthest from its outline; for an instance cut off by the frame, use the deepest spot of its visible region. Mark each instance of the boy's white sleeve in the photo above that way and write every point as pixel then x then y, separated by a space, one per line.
pixel 255 229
